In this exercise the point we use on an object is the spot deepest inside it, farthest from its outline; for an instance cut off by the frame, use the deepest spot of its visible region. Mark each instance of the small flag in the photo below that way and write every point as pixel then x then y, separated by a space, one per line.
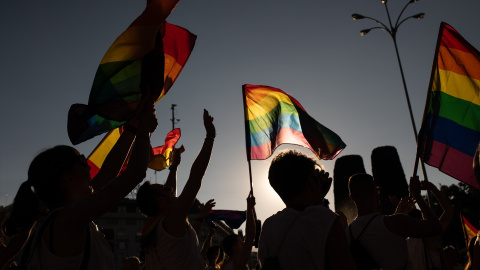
pixel 450 131
pixel 161 154
pixel 273 117
pixel 470 231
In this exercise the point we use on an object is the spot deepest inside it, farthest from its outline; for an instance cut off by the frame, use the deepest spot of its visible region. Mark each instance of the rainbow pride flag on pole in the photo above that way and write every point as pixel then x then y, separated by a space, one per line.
pixel 469 229
pixel 273 117
pixel 148 48
pixel 450 131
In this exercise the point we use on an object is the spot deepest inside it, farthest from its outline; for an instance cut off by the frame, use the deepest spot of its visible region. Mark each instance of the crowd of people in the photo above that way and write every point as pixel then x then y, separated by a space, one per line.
pixel 51 222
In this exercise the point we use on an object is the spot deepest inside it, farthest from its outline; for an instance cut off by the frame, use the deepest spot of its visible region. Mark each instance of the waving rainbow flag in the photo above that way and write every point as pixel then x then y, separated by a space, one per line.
pixel 450 131
pixel 161 154
pixel 273 117
pixel 148 48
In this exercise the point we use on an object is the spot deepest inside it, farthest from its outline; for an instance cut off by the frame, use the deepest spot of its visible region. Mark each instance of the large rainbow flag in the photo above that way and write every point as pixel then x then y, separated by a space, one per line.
pixel 148 48
pixel 450 131
pixel 273 117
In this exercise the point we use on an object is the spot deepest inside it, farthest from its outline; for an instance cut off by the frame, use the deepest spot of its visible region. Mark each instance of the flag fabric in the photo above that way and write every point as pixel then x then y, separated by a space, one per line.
pixel 470 230
pixel 450 131
pixel 161 154
pixel 233 218
pixel 132 62
pixel 98 155
pixel 273 117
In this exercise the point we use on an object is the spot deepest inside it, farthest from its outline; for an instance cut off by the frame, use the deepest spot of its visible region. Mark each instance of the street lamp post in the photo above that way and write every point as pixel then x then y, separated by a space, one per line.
pixel 392 31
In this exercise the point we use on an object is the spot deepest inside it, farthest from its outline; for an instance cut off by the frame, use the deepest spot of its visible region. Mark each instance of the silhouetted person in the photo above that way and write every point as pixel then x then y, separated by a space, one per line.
pixel 214 257
pixel 385 236
pixel 306 234
pixel 473 253
pixel 426 253
pixel 60 178
pixel 175 243
pixel 238 250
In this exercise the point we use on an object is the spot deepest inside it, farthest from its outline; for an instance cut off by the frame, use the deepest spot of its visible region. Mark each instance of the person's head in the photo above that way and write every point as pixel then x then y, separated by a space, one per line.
pixel 130 263
pixel 214 255
pixel 232 244
pixel 154 199
pixel 291 173
pixel 56 176
pixel 363 190
pixel 450 254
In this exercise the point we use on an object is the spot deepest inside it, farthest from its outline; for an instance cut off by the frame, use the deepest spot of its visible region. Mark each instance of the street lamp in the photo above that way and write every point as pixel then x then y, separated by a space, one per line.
pixel 392 31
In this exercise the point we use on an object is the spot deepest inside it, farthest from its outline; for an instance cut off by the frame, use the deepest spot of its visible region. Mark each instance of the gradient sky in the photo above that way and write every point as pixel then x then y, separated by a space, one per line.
pixel 50 51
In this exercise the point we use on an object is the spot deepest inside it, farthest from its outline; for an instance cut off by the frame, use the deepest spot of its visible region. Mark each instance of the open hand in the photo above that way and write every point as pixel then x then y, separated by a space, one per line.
pixel 209 126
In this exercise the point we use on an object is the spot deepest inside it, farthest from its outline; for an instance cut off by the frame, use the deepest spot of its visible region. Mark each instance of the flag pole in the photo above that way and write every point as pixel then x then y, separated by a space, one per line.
pixel 250 172
pixel 420 139
pixel 464 231
pixel 247 138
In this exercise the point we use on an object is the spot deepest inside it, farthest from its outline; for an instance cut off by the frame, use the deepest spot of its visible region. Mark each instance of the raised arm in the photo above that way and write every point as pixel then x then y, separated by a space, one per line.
pixel 407 226
pixel 92 206
pixel 447 208
pixel 244 256
pixel 172 175
pixel 197 225
pixel 174 221
pixel 114 160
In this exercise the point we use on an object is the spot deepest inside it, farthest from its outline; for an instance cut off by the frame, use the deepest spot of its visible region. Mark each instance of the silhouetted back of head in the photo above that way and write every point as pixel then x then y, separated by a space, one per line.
pixel 360 185
pixel 289 172
pixel 146 200
pixel 45 176
pixel 229 242
pixel 46 170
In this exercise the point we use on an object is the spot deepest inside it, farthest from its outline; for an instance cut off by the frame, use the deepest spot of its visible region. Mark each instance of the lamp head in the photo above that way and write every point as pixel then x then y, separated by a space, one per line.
pixel 357 16
pixel 364 32
pixel 413 1
pixel 419 16
pixel 385 1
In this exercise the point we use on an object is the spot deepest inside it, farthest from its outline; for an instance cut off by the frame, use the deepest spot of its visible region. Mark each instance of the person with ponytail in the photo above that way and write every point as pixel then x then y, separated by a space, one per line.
pixel 59 178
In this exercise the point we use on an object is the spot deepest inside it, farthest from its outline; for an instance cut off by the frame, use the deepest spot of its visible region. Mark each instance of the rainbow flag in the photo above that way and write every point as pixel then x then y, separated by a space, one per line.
pixel 470 231
pixel 161 154
pixel 98 155
pixel 450 131
pixel 273 117
pixel 147 48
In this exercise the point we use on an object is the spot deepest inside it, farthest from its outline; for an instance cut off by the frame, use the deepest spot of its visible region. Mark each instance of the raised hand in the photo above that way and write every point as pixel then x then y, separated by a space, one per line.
pixel 207 207
pixel 414 187
pixel 209 126
pixel 405 206
pixel 175 157
pixel 426 185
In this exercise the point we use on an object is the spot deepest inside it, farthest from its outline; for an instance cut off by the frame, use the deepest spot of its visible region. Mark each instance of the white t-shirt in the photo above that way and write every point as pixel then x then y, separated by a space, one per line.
pixel 101 255
pixel 176 253
pixel 304 244
pixel 386 248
